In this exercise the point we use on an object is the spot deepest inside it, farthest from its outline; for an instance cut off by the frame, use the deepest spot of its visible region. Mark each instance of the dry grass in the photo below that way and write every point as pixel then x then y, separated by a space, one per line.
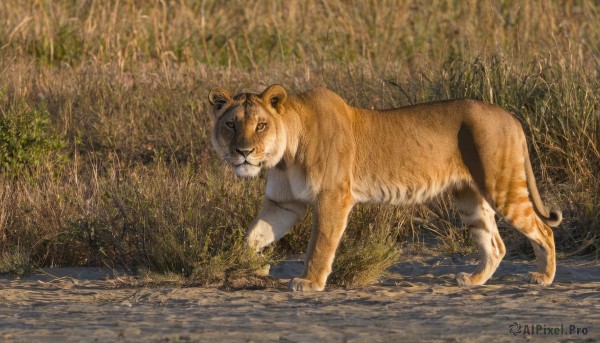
pixel 129 178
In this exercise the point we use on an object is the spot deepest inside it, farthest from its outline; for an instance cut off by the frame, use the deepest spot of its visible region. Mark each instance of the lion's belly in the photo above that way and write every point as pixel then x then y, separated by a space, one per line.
pixel 397 193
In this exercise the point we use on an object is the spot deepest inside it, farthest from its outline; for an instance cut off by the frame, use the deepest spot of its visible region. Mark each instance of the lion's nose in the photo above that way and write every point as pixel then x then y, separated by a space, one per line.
pixel 244 153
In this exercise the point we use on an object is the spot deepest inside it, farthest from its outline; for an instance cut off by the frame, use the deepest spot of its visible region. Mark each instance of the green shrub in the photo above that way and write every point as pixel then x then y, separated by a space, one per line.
pixel 26 140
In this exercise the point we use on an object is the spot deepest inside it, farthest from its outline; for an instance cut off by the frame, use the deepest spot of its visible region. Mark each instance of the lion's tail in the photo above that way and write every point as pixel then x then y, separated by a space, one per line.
pixel 554 216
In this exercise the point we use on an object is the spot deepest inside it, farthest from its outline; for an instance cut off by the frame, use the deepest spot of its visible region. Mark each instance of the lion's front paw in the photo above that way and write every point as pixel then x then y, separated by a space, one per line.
pixel 466 279
pixel 540 278
pixel 304 285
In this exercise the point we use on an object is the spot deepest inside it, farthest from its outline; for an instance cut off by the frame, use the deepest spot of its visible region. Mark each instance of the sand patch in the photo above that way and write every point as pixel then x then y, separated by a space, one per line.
pixel 420 301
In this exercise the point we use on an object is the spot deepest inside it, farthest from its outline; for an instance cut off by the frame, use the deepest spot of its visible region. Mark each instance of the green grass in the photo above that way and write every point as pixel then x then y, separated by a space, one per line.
pixel 106 158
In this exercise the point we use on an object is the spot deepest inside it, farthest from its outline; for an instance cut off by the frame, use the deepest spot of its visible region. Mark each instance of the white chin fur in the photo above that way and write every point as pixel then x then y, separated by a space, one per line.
pixel 247 170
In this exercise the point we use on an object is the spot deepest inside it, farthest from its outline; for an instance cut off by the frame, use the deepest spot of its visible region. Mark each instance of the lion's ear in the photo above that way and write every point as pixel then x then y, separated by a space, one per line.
pixel 218 97
pixel 275 96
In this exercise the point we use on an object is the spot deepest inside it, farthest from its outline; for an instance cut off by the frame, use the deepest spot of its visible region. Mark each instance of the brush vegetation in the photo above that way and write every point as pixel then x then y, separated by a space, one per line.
pixel 104 151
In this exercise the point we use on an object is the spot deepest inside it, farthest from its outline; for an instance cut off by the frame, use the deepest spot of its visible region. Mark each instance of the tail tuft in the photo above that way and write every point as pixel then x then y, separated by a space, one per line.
pixel 554 217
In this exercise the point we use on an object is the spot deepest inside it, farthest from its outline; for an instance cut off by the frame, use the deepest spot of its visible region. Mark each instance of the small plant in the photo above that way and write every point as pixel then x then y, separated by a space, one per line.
pixel 15 262
pixel 362 261
pixel 26 141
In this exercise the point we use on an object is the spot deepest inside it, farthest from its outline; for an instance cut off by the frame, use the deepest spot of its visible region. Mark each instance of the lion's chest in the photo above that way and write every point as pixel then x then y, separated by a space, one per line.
pixel 289 185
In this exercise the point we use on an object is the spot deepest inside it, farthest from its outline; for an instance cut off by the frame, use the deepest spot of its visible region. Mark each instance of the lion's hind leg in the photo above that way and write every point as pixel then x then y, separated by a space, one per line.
pixel 479 218
pixel 519 212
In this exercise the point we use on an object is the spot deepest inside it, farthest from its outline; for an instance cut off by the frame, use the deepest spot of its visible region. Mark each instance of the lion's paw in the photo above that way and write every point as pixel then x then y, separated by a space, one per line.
pixel 540 278
pixel 466 279
pixel 304 285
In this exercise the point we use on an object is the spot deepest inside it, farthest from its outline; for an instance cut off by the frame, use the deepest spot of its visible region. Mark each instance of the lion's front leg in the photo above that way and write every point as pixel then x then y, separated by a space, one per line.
pixel 273 221
pixel 330 214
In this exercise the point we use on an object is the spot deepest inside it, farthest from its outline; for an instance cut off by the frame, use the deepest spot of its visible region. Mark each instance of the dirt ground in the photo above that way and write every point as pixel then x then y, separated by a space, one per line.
pixel 420 301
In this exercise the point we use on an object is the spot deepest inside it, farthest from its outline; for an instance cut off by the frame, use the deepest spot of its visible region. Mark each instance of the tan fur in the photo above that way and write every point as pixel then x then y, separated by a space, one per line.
pixel 319 151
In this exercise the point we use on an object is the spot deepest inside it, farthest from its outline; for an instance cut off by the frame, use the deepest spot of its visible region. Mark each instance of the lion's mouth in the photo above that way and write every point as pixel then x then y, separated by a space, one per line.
pixel 247 169
pixel 246 163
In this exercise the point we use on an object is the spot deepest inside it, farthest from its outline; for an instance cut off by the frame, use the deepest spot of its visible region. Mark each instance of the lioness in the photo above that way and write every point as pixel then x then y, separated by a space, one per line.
pixel 322 152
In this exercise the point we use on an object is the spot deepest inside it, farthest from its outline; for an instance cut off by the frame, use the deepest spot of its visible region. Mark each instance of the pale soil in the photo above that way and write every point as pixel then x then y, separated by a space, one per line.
pixel 419 302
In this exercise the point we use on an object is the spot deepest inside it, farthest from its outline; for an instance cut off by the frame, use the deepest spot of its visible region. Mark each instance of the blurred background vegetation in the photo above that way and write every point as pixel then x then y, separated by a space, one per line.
pixel 104 155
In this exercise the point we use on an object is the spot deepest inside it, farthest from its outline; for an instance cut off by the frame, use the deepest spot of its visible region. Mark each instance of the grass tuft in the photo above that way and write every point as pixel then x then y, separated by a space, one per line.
pixel 16 262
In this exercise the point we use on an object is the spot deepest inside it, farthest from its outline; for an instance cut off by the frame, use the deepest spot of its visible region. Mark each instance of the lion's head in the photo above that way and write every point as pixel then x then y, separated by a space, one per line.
pixel 248 131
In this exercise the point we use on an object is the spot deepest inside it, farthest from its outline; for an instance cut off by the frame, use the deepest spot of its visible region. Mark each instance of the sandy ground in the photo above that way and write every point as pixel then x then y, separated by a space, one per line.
pixel 419 302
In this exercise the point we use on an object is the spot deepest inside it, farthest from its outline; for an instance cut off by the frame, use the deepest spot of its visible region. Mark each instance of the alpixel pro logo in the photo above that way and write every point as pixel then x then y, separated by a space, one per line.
pixel 515 328
pixel 544 330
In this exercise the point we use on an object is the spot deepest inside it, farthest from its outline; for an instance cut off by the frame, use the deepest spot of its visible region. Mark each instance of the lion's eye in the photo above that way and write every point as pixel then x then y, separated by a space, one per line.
pixel 230 124
pixel 261 126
